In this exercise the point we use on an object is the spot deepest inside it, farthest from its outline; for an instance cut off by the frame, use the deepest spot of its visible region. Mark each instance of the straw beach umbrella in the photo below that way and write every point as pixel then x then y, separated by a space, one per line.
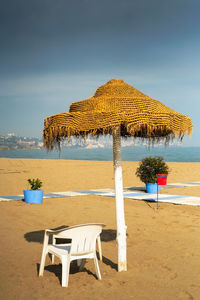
pixel 120 110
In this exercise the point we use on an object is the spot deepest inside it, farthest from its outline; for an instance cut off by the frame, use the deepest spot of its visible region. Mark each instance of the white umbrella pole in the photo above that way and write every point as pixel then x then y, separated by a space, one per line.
pixel 121 227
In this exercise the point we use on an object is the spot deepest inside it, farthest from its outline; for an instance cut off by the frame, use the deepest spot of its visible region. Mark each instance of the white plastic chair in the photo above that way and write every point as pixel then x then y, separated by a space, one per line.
pixel 83 245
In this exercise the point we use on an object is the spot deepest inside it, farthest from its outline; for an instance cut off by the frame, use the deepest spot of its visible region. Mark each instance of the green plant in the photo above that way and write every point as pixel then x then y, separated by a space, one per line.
pixel 35 183
pixel 149 167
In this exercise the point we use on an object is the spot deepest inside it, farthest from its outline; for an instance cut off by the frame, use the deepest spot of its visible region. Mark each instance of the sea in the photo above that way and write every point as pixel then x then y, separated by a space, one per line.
pixel 131 153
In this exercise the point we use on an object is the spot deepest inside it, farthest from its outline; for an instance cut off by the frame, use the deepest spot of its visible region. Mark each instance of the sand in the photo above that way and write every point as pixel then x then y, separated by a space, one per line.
pixel 163 246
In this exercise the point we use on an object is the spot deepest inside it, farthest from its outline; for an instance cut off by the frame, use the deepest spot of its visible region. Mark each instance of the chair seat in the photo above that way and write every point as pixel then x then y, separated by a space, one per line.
pixel 60 249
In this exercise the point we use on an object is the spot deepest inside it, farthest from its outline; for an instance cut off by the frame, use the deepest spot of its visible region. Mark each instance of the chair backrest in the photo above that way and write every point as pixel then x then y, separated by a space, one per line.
pixel 83 237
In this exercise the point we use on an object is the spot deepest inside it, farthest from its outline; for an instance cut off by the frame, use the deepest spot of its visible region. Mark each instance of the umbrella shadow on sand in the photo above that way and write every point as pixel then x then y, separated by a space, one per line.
pixel 107 235
pixel 37 236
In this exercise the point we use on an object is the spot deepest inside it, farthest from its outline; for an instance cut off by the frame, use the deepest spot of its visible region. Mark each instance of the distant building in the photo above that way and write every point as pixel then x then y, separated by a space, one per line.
pixel 24 143
pixel 11 134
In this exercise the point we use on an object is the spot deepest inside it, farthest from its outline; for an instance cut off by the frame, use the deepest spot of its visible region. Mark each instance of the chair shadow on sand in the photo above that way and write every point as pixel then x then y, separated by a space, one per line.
pixel 107 235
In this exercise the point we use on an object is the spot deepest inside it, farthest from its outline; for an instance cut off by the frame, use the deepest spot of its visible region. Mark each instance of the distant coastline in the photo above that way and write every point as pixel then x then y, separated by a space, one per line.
pixel 13 142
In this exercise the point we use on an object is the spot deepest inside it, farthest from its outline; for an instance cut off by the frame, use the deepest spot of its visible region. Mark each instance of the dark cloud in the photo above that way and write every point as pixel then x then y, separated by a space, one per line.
pixel 48 19
pixel 43 34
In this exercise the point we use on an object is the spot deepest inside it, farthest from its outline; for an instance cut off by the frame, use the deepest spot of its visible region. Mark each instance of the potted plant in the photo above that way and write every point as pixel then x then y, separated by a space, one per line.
pixel 34 195
pixel 148 168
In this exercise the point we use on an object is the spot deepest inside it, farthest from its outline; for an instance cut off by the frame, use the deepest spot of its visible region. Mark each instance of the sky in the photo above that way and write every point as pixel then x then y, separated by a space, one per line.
pixel 53 53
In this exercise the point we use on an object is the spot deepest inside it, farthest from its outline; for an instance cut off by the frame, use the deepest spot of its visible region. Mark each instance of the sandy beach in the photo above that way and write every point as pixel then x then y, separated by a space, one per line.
pixel 163 246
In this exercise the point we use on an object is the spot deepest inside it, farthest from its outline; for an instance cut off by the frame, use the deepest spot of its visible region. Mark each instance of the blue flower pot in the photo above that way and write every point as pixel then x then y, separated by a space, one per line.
pixel 33 196
pixel 152 188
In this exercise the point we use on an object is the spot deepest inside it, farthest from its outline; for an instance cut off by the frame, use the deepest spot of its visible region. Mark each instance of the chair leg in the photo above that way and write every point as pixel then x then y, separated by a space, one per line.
pixel 99 247
pixel 52 255
pixel 97 267
pixel 65 270
pixel 42 263
pixel 44 253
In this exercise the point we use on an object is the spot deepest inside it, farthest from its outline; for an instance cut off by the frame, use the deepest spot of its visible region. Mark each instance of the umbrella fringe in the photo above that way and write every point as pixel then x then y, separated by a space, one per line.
pixel 53 136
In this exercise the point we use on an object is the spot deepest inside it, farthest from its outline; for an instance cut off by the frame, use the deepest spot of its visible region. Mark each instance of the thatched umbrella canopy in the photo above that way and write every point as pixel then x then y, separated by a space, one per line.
pixel 116 104
pixel 118 109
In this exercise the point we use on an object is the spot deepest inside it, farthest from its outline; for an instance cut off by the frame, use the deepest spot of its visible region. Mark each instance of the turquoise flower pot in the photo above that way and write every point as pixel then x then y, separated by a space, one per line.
pixel 152 188
pixel 33 196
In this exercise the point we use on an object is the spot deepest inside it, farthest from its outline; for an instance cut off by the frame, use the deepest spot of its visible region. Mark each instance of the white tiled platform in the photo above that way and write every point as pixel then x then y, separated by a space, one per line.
pixel 131 193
